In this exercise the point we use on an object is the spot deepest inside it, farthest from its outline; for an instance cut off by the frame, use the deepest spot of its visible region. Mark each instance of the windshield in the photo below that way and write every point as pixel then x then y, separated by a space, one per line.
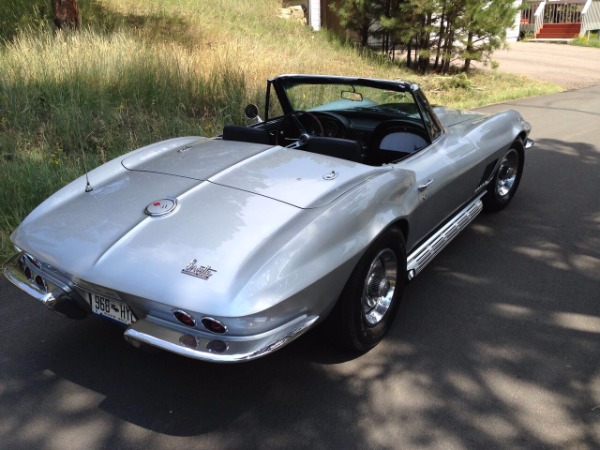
pixel 320 96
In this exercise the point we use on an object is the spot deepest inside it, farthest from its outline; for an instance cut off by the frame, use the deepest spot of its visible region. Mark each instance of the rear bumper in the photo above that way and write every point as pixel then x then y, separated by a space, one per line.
pixel 23 271
pixel 215 348
pixel 44 285
pixel 58 295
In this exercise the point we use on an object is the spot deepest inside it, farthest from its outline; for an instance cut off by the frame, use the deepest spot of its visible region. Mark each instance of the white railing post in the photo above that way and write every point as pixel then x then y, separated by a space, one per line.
pixel 584 13
pixel 538 18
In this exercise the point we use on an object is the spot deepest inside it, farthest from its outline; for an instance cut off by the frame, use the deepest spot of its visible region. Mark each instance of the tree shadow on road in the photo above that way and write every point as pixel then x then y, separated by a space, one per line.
pixel 495 346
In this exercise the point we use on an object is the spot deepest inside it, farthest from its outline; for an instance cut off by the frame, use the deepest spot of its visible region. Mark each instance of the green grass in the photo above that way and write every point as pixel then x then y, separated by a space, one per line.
pixel 145 70
pixel 593 40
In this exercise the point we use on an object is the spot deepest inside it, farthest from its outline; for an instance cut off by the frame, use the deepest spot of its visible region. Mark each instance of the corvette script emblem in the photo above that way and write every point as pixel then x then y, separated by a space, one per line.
pixel 202 272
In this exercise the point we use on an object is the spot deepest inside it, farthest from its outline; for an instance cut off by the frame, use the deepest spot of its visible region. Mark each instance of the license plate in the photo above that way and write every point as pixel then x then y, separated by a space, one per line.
pixel 112 308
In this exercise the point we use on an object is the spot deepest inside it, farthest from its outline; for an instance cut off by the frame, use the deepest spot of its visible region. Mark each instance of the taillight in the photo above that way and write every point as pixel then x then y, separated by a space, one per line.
pixel 30 274
pixel 214 325
pixel 184 318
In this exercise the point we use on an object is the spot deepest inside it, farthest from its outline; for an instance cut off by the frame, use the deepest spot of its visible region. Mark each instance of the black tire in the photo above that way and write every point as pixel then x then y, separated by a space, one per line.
pixel 506 180
pixel 368 304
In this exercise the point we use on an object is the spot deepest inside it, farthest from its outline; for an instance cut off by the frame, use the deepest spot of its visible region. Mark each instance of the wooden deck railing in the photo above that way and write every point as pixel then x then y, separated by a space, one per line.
pixel 590 17
pixel 538 18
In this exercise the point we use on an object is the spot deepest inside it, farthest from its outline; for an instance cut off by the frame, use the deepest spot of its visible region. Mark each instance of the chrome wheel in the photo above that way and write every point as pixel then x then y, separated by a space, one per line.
pixel 379 287
pixel 507 173
pixel 506 179
pixel 369 302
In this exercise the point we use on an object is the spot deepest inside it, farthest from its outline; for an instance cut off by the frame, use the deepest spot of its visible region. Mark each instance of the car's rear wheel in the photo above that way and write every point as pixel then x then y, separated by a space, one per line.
pixel 367 306
pixel 504 185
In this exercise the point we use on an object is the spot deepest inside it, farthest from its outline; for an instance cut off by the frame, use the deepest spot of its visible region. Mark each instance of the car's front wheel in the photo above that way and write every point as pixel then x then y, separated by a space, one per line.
pixel 504 185
pixel 367 306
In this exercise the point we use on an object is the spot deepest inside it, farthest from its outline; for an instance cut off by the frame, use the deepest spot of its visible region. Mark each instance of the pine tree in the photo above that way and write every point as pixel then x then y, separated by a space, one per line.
pixel 433 33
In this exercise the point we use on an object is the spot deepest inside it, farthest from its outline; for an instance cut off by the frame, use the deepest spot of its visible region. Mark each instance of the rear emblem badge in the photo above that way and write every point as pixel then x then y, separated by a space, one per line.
pixel 202 272
pixel 161 207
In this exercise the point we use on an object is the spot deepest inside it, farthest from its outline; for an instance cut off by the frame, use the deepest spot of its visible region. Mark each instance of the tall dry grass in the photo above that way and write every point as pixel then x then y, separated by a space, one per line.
pixel 145 70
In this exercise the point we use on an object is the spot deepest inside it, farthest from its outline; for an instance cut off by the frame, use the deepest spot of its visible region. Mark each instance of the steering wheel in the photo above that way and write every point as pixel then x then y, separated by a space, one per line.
pixel 294 129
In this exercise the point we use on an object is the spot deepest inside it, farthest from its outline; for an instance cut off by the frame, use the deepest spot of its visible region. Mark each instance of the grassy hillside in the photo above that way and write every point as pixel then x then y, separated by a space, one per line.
pixel 145 70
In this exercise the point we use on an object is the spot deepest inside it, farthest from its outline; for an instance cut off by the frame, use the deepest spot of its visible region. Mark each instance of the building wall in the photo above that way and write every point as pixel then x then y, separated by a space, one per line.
pixel 512 34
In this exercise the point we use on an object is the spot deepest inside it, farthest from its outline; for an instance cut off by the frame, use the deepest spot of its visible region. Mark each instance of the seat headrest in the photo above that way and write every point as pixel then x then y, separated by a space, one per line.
pixel 245 134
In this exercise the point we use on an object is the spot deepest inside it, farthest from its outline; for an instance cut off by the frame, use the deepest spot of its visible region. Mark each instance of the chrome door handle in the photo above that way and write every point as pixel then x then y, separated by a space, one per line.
pixel 424 185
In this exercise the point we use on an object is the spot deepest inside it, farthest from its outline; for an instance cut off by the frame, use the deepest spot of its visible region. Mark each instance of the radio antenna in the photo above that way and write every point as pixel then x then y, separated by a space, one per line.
pixel 88 186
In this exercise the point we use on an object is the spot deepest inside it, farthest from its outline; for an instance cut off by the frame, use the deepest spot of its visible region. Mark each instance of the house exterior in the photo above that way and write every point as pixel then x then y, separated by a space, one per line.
pixel 559 19
pixel 537 19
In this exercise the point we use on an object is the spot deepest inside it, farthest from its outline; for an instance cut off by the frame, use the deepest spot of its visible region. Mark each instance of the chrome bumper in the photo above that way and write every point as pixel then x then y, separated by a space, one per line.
pixel 215 348
pixel 55 293
pixel 47 291
pixel 58 295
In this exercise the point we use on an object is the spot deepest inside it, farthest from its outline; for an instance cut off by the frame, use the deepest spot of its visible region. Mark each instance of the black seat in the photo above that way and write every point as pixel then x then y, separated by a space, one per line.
pixel 339 148
pixel 245 134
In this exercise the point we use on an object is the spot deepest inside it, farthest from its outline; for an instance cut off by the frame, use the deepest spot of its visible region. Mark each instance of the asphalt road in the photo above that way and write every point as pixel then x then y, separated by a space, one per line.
pixel 497 344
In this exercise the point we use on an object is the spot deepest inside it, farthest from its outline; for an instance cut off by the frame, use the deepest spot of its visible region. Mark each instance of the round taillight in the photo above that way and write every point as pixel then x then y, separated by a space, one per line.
pixel 184 318
pixel 214 325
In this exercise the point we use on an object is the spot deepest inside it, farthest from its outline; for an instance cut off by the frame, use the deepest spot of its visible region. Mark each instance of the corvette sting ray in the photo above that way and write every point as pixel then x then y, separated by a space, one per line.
pixel 225 249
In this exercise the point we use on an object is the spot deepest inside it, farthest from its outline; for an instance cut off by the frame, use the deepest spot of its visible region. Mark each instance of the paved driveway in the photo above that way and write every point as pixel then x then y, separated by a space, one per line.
pixel 566 65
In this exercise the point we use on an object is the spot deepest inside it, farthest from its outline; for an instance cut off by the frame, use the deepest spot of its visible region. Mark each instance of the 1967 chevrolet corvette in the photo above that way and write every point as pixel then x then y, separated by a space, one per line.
pixel 225 249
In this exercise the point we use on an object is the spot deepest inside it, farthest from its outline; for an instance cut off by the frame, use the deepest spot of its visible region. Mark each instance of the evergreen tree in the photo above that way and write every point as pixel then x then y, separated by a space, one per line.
pixel 433 33
pixel 359 16
pixel 483 28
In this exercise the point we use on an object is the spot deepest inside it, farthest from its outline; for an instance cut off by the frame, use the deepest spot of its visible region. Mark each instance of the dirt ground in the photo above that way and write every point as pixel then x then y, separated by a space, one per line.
pixel 566 65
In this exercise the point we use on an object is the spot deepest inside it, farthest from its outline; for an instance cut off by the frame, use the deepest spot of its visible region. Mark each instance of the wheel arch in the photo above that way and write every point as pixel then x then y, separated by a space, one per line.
pixel 347 324
pixel 520 146
pixel 495 200
pixel 400 226
pixel 521 137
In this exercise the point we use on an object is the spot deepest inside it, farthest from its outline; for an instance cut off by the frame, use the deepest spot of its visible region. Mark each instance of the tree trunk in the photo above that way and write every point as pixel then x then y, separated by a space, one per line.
pixel 447 58
pixel 364 36
pixel 440 40
pixel 468 52
pixel 425 45
pixel 66 14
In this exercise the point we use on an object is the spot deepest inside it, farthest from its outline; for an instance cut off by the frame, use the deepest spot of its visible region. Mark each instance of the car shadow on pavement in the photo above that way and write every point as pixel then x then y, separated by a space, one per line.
pixel 495 346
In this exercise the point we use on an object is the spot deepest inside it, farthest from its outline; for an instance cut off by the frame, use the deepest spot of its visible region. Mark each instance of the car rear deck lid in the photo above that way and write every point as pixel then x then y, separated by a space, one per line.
pixel 297 177
pixel 199 161
pixel 292 176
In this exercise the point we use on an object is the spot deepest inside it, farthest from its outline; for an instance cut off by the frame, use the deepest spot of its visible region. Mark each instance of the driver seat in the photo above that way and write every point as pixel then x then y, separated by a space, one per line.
pixel 336 147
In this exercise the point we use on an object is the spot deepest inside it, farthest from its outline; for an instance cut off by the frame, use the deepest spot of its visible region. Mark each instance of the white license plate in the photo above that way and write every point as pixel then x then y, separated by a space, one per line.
pixel 112 308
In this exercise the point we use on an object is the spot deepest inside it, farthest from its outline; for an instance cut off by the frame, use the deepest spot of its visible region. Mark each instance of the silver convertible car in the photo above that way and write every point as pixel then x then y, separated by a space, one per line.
pixel 225 249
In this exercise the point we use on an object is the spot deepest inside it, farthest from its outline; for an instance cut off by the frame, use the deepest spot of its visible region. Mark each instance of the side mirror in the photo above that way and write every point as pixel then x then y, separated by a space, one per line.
pixel 251 112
